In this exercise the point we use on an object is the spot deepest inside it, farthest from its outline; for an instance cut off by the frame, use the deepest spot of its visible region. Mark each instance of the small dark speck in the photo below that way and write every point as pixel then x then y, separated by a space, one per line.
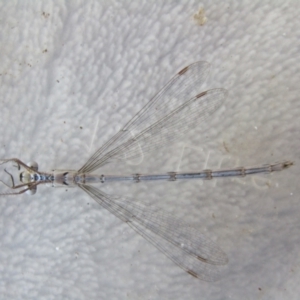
pixel 88 203
pixel 80 127
pixel 66 190
pixel 45 14
pixel 57 81
pixel 44 51
pixel 259 289
pixel 64 122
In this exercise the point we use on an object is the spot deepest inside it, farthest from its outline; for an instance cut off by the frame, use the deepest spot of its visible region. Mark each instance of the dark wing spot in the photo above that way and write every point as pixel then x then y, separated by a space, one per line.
pixel 183 71
pixel 201 94
pixel 193 273
pixel 202 259
pixel 287 164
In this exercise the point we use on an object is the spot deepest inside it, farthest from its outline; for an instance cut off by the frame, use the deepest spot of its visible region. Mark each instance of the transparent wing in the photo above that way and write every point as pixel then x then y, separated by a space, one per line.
pixel 185 246
pixel 177 108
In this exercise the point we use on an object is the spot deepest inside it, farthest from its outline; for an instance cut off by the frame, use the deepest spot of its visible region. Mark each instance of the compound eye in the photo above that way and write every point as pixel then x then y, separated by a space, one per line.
pixel 31 191
pixel 33 165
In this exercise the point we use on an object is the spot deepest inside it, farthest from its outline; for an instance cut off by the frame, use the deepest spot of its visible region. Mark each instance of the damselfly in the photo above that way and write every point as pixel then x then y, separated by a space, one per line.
pixel 175 110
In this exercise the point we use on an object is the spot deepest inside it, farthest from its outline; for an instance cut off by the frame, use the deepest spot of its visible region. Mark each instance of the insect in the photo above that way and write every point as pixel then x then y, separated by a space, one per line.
pixel 175 110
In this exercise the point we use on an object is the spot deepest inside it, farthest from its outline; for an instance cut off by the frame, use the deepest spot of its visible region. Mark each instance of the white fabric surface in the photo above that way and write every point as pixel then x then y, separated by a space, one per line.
pixel 94 64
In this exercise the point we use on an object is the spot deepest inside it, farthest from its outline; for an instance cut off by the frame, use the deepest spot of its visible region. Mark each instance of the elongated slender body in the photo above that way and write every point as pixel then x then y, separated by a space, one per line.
pixel 71 178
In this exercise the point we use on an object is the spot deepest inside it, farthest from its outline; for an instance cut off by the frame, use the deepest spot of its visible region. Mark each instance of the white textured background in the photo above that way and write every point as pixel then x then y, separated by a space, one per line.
pixel 93 64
